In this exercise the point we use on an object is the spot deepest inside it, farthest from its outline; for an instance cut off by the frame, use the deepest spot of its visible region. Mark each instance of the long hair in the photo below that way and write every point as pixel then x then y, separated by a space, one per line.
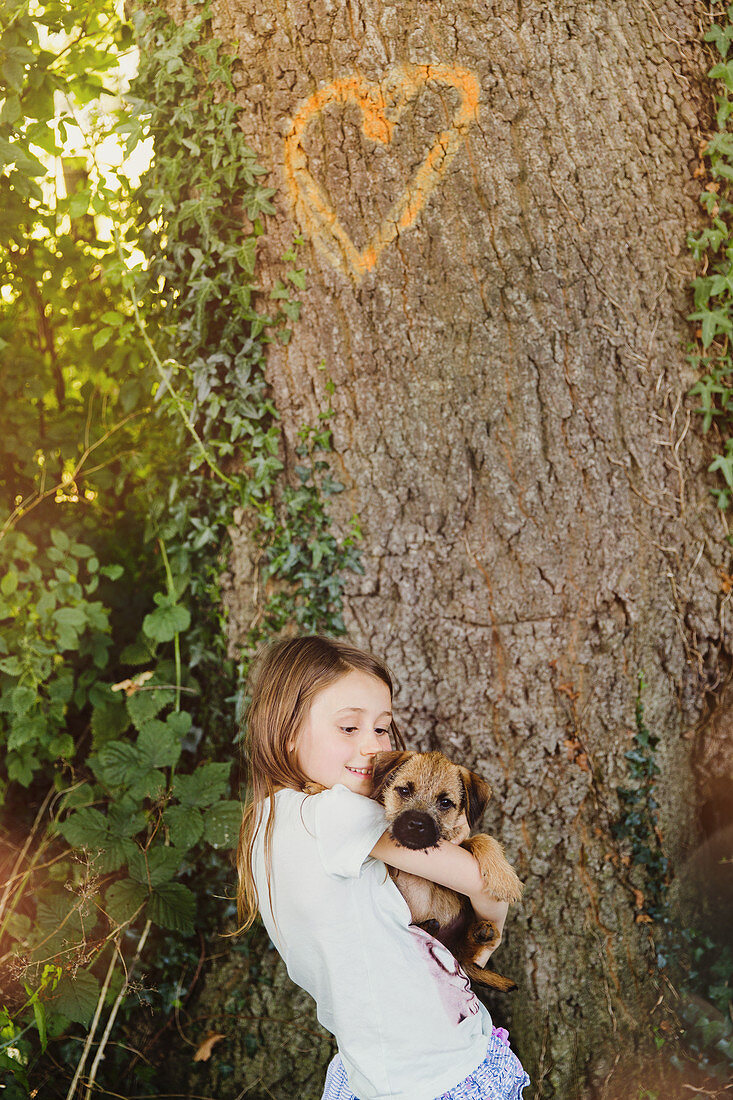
pixel 284 680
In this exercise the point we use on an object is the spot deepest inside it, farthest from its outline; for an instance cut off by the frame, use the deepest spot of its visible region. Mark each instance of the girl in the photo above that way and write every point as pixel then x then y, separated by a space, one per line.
pixel 407 1025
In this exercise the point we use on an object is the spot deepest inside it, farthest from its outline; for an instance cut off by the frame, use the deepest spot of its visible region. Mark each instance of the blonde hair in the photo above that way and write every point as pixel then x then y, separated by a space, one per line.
pixel 284 680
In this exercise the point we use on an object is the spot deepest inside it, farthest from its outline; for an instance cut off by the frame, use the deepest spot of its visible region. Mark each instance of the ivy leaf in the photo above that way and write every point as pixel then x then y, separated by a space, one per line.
pixel 172 906
pixel 206 785
pixel 222 824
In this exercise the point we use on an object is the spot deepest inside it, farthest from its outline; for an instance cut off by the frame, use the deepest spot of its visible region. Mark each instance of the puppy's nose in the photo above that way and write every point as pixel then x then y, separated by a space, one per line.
pixel 415 830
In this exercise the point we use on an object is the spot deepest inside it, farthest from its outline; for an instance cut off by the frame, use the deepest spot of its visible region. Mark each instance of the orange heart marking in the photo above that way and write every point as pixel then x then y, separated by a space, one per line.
pixel 381 106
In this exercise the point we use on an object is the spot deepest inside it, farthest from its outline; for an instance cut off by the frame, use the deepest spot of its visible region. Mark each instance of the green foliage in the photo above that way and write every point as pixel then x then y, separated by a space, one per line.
pixel 638 824
pixel 139 425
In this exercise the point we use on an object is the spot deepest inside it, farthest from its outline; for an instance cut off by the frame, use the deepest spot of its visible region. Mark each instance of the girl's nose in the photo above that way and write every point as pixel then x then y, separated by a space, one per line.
pixel 369 745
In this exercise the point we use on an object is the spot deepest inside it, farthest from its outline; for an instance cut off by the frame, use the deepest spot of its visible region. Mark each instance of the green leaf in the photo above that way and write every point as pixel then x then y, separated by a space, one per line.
pixel 102 337
pixel 123 900
pixel 86 828
pixel 156 866
pixel 114 572
pixel 146 703
pixel 13 666
pixel 76 997
pixel 172 906
pixel 60 539
pixel 222 824
pixel 158 745
pixel 9 583
pixel 206 785
pixel 166 621
pixel 39 1014
pixel 186 825
pixel 120 764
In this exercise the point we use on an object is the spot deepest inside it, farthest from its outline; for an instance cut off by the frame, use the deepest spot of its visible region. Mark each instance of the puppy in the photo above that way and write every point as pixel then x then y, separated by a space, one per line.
pixel 424 796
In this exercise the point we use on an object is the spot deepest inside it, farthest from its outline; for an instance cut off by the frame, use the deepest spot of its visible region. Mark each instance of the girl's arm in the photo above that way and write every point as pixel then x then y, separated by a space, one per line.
pixel 449 865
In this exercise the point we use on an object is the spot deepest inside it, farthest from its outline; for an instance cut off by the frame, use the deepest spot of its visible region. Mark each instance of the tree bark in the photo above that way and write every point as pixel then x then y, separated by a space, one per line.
pixel 493 197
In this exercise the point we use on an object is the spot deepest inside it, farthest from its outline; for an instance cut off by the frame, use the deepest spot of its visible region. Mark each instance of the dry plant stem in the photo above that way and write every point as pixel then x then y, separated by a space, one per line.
pixel 95 1022
pixel 113 1014
pixel 21 856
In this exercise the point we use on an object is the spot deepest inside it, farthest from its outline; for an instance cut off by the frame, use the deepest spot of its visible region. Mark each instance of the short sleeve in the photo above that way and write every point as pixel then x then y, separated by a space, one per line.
pixel 347 826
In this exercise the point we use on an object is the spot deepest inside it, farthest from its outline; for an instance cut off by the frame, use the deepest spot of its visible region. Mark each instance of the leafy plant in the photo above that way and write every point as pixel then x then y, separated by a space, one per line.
pixel 140 426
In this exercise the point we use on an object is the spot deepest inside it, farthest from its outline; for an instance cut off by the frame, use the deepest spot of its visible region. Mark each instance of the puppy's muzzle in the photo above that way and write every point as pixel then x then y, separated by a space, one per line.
pixel 415 830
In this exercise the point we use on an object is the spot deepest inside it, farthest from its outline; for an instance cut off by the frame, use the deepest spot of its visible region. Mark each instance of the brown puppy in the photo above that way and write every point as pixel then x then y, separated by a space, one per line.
pixel 425 796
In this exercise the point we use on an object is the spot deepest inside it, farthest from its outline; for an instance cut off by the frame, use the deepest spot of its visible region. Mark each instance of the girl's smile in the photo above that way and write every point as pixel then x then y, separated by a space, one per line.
pixel 347 724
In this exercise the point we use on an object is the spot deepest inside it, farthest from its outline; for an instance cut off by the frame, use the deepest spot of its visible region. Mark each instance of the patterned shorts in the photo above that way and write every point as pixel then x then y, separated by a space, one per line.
pixel 499 1077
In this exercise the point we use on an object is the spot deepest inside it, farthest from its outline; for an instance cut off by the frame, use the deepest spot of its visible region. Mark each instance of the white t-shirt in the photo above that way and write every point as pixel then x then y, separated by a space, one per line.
pixel 407 1023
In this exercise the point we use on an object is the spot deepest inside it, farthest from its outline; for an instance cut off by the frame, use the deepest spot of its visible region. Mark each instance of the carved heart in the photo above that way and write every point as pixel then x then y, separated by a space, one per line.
pixel 381 106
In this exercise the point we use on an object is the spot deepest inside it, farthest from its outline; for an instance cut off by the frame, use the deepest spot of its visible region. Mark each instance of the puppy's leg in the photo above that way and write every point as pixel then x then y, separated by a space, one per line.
pixel 480 939
pixel 499 875
pixel 489 977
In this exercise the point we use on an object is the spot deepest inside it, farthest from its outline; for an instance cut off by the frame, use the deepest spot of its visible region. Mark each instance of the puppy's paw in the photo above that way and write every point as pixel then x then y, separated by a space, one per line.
pixel 484 933
pixel 500 877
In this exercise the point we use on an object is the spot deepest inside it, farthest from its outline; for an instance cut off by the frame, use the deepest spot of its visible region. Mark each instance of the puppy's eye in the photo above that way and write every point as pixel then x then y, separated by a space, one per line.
pixel 446 804
pixel 404 791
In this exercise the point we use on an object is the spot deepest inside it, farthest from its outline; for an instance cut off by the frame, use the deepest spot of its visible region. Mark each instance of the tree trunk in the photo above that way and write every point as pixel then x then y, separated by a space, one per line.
pixel 493 197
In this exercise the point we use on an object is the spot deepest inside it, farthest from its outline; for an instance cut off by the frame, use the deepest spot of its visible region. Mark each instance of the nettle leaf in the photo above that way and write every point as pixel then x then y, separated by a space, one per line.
pixel 77 797
pixel 21 767
pixel 222 824
pixel 76 997
pixel 137 653
pixel 123 823
pixel 172 906
pixel 120 764
pixel 169 619
pixel 25 729
pixel 186 825
pixel 85 828
pixel 206 785
pixel 109 720
pixel 154 867
pixel 116 852
pixel 151 785
pixel 180 722
pixel 148 702
pixel 56 910
pixel 124 899
pixel 158 744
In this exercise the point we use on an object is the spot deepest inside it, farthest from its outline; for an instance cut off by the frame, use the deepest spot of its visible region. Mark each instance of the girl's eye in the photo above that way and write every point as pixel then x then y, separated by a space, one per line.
pixel 383 733
pixel 348 729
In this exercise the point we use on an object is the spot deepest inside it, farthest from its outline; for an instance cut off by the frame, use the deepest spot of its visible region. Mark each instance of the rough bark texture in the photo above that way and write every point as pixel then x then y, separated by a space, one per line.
pixel 499 294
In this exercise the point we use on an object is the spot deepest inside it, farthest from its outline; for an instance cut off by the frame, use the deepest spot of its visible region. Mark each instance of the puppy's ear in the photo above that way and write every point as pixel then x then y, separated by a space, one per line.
pixel 385 765
pixel 478 793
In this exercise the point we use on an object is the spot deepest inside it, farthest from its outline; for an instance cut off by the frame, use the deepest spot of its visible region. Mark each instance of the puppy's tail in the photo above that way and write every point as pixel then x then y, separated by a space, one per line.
pixel 489 977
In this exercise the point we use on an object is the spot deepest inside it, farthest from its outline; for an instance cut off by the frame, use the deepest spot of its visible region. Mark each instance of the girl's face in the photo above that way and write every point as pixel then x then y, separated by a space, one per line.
pixel 347 724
